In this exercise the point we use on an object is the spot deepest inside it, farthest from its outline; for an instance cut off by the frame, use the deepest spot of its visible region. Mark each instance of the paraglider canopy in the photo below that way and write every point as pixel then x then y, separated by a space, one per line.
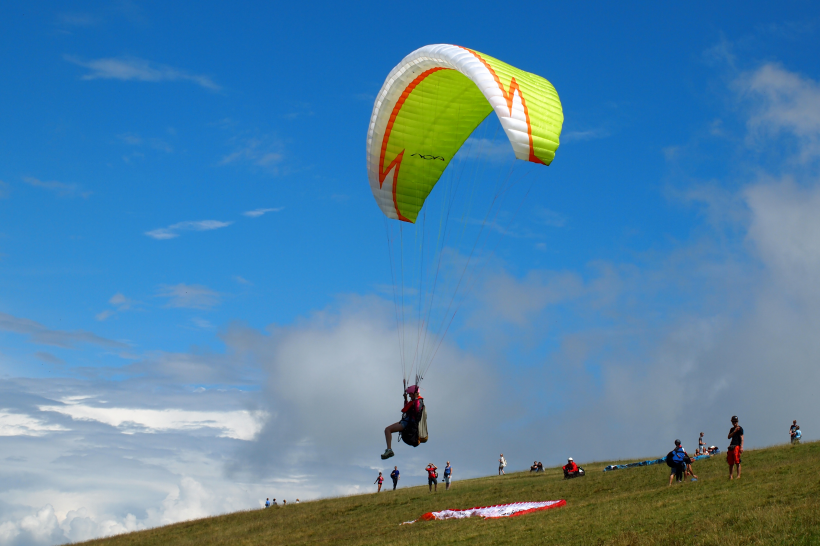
pixel 432 101
pixel 429 106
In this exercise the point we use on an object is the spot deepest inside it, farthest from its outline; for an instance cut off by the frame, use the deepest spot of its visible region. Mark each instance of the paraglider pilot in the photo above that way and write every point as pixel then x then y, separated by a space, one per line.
pixel 410 417
pixel 571 469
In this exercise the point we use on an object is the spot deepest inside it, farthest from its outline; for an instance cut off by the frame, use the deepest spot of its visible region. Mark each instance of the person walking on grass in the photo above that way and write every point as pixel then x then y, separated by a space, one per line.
pixel 735 446
pixel 676 460
pixel 432 476
pixel 448 473
pixel 395 477
pixel 502 462
pixel 380 481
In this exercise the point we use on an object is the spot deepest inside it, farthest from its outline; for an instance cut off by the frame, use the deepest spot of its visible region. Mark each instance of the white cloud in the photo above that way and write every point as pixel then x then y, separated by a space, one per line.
pixel 486 149
pixel 242 280
pixel 17 424
pixel 172 231
pixel 60 188
pixel 192 296
pixel 264 152
pixel 59 338
pixel 240 425
pixel 783 102
pixel 132 68
pixel 578 136
pixel 121 303
pixel 259 212
pixel 48 357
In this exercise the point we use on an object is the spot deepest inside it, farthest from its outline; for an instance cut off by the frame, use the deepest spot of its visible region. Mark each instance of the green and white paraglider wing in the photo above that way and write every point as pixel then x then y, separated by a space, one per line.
pixel 430 104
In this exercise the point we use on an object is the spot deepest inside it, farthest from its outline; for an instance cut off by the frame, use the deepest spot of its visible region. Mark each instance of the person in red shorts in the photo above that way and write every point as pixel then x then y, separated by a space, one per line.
pixel 735 446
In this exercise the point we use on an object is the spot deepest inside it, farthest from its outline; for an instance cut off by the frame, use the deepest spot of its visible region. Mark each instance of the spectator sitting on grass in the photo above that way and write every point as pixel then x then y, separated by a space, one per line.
pixel 540 467
pixel 534 466
pixel 570 469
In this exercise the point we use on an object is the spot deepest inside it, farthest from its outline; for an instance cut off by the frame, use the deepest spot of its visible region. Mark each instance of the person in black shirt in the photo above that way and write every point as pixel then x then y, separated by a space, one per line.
pixel 735 446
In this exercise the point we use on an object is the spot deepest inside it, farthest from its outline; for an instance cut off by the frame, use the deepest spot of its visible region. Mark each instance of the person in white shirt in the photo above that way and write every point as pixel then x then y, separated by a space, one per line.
pixel 502 462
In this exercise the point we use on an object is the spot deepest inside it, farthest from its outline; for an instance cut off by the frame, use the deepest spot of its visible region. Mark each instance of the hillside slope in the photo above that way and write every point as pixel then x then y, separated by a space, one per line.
pixel 777 501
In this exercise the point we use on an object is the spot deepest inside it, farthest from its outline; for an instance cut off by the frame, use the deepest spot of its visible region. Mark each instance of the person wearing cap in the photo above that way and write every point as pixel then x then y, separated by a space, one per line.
pixel 570 469
pixel 411 413
pixel 678 464
pixel 735 446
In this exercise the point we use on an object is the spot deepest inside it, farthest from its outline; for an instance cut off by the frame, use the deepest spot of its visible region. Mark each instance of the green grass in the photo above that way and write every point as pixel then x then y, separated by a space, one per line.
pixel 777 501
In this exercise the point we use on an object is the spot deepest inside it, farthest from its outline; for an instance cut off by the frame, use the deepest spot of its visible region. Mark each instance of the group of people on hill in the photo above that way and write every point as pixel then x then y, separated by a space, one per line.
pixel 432 477
pixel 680 463
pixel 269 503
pixel 794 432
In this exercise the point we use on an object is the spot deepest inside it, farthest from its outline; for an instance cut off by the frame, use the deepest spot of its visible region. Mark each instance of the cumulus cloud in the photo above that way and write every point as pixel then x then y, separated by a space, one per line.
pixel 18 424
pixel 135 69
pixel 191 296
pixel 783 102
pixel 240 425
pixel 174 230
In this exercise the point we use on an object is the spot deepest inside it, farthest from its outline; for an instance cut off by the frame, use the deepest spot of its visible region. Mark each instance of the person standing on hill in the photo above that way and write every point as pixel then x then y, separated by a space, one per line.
pixel 395 477
pixel 797 435
pixel 701 446
pixel 448 473
pixel 676 460
pixel 267 502
pixel 432 476
pixel 792 430
pixel 502 462
pixel 380 481
pixel 735 446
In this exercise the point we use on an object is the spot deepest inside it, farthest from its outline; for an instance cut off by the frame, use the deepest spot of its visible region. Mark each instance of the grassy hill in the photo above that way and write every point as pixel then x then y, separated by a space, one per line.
pixel 777 501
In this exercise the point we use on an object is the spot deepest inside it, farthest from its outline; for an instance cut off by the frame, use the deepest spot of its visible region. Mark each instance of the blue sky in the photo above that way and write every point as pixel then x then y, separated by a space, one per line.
pixel 186 226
